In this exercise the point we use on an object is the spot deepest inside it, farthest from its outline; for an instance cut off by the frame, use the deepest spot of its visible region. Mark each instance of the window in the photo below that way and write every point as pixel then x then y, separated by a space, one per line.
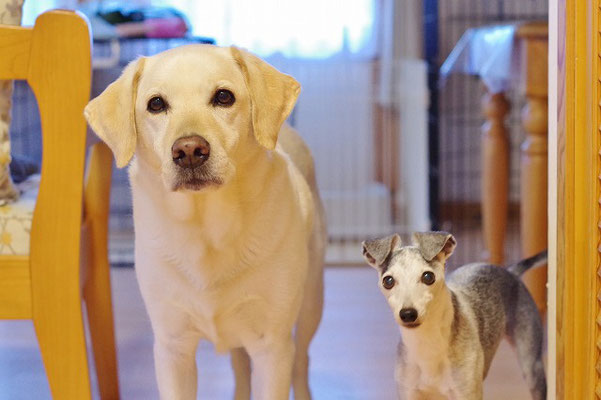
pixel 302 28
pixel 307 28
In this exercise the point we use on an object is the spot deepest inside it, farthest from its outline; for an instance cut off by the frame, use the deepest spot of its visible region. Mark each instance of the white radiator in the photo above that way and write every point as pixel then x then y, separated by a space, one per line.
pixel 335 115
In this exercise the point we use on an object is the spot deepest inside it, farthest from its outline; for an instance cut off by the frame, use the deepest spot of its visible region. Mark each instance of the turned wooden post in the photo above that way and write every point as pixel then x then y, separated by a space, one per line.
pixel 495 175
pixel 533 196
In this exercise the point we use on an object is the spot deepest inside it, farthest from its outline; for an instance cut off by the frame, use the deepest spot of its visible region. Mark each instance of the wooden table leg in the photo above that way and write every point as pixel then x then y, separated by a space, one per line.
pixel 533 191
pixel 495 175
pixel 533 221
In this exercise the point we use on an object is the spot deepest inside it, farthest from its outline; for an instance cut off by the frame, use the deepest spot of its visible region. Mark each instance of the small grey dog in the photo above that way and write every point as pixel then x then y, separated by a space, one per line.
pixel 451 327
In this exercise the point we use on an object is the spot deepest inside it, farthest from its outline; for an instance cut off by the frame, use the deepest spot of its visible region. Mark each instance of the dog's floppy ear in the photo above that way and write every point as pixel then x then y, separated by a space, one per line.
pixel 272 95
pixel 377 251
pixel 435 245
pixel 111 115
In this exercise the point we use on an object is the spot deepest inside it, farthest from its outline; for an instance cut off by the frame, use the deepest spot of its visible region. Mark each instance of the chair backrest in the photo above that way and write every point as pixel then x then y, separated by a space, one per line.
pixel 54 57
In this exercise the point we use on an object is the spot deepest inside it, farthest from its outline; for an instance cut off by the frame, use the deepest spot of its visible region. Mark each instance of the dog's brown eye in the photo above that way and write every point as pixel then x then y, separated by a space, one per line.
pixel 157 104
pixel 388 282
pixel 428 277
pixel 224 98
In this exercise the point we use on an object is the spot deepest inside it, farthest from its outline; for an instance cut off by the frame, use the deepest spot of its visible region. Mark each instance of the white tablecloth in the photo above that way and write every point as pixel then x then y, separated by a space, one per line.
pixel 488 52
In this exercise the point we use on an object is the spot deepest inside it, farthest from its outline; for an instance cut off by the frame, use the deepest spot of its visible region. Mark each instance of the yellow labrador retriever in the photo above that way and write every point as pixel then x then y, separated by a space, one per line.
pixel 229 227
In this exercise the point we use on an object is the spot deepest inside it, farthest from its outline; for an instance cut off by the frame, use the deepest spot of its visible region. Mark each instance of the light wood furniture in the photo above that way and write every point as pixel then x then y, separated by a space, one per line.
pixel 495 174
pixel 532 40
pixel 533 163
pixel 47 286
pixel 577 237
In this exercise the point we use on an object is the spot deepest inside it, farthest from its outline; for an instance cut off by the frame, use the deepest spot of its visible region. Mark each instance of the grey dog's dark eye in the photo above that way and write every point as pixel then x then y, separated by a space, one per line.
pixel 388 282
pixel 156 104
pixel 428 277
pixel 224 98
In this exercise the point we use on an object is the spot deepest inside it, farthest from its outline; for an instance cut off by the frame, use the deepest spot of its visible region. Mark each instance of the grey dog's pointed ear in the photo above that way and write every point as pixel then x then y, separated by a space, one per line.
pixel 112 114
pixel 377 251
pixel 435 245
pixel 272 95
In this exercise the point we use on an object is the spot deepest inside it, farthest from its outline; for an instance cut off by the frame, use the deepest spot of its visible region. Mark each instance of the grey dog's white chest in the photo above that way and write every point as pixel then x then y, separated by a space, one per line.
pixel 430 371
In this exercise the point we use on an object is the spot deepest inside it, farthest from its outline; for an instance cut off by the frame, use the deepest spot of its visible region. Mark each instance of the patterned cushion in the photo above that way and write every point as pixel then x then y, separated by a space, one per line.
pixel 15 219
pixel 10 14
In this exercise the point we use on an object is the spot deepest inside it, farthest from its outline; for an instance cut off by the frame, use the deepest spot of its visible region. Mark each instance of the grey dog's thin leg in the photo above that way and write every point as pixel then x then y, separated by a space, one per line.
pixel 525 332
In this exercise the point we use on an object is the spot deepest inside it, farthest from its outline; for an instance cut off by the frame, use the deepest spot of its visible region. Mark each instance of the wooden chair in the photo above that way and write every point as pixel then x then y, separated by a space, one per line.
pixel 67 261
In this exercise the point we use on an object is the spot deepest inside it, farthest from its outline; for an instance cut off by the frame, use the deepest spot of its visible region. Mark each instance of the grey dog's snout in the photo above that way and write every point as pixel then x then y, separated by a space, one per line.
pixel 190 151
pixel 408 315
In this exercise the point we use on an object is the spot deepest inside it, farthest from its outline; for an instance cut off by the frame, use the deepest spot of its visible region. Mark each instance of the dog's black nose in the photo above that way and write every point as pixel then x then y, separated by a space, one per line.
pixel 408 314
pixel 190 151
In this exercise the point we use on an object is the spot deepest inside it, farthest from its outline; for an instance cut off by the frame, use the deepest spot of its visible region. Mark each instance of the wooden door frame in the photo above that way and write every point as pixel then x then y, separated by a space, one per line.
pixel 577 193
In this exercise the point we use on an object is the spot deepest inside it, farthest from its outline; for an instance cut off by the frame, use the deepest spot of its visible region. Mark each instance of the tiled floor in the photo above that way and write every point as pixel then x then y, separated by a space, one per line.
pixel 352 355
